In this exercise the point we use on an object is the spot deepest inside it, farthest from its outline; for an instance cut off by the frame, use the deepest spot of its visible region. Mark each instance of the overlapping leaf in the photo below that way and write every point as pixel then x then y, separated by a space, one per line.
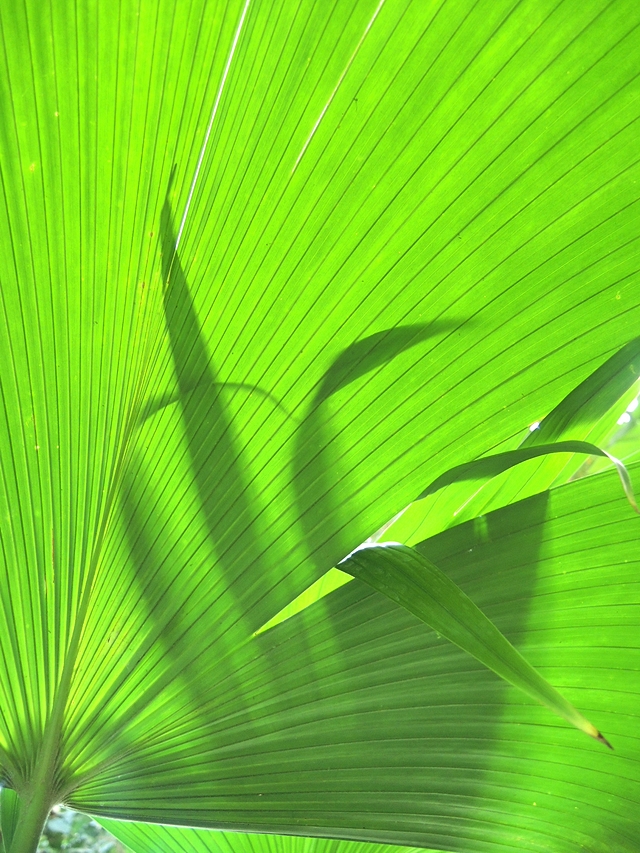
pixel 145 838
pixel 360 695
pixel 589 411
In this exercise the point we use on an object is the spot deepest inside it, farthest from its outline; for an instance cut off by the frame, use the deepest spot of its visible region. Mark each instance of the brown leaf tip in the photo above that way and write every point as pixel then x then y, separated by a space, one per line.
pixel 603 740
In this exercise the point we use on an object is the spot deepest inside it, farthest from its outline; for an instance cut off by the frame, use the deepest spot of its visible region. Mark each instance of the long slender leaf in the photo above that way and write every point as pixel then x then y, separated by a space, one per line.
pixel 413 582
pixel 490 466
pixel 593 398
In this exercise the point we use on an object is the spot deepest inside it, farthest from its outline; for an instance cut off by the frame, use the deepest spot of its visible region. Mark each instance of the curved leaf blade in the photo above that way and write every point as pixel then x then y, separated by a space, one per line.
pixel 587 408
pixel 413 582
pixel 583 407
pixel 490 466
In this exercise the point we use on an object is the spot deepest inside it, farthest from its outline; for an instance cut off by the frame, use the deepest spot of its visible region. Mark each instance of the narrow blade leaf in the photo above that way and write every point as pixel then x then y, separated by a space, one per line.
pixel 490 466
pixel 9 813
pixel 409 579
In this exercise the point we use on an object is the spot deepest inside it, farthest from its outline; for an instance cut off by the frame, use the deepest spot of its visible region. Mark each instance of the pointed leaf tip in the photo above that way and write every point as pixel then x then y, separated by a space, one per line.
pixel 600 737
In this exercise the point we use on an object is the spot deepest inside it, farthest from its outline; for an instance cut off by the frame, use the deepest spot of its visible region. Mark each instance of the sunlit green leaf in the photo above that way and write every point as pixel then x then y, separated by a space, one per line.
pixel 357 684
pixel 145 838
pixel 266 271
pixel 588 411
pixel 9 812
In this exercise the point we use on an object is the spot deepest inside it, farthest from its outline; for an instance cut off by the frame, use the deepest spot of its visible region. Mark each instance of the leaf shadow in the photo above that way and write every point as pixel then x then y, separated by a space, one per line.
pixel 317 460
pixel 182 603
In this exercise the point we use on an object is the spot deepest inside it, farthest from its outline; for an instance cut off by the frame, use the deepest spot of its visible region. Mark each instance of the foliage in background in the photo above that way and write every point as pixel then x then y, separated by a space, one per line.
pixel 67 831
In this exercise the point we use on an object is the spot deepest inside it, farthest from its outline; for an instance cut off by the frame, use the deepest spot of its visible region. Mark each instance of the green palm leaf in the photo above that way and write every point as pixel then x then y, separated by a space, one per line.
pixel 145 838
pixel 468 763
pixel 432 205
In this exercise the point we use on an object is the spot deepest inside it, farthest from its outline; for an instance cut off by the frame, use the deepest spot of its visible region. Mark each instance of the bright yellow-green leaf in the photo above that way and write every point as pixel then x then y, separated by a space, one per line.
pixel 266 270
pixel 146 838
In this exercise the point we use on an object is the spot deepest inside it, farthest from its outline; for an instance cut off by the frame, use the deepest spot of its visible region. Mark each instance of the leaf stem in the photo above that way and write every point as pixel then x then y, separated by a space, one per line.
pixel 35 802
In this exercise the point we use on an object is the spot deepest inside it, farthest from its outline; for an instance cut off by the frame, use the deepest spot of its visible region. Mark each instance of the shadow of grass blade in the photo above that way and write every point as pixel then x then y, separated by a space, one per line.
pixel 317 451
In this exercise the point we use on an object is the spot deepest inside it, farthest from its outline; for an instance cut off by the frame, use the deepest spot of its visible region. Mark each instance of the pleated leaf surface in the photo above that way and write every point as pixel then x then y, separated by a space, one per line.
pixel 404 231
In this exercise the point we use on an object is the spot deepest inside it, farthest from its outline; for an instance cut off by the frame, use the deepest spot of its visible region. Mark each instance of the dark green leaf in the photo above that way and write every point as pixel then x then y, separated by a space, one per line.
pixel 415 583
